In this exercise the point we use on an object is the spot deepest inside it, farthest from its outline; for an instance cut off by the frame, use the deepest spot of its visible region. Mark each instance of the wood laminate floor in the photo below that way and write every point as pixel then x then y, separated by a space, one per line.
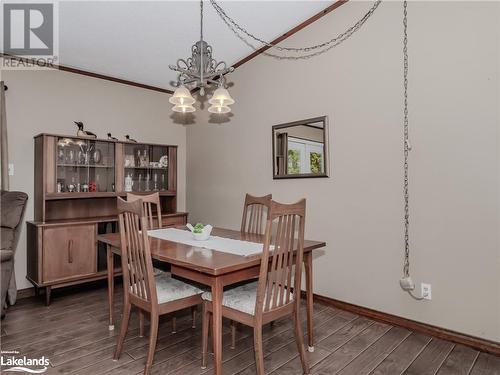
pixel 73 333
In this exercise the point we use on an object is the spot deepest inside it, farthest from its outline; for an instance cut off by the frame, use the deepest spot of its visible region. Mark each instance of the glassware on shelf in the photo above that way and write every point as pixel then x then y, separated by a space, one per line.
pixel 85 165
pixel 155 180
pixel 138 158
pixel 139 183
pixel 61 157
pixel 163 182
pixel 145 158
pixel 71 187
pixel 147 183
pixel 70 156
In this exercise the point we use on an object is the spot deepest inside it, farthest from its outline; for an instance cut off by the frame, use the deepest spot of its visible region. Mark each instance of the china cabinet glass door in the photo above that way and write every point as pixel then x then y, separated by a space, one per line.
pixel 85 166
pixel 146 168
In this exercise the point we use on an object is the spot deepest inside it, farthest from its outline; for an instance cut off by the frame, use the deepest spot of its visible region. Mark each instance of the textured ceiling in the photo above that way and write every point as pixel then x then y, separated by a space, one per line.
pixel 137 40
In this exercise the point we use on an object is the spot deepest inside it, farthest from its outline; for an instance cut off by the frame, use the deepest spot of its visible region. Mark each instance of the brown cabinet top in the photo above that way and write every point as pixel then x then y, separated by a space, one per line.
pixel 101 139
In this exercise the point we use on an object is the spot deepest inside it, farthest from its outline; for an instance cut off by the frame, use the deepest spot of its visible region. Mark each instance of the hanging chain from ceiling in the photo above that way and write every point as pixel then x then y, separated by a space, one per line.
pixel 406 146
pixel 318 49
pixel 406 282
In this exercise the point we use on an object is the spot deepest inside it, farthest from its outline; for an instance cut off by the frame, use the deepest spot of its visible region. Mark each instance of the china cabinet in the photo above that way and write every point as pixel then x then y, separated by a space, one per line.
pixel 77 181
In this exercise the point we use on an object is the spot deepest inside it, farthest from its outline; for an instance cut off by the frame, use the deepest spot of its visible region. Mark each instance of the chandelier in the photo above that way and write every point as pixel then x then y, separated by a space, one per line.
pixel 201 71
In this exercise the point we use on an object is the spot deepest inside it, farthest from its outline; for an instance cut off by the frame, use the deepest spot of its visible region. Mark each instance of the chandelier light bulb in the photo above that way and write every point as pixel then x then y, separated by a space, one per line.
pixel 182 96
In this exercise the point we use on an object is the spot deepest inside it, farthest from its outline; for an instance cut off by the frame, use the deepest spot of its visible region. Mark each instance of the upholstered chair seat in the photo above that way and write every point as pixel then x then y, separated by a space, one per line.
pixel 241 298
pixel 169 289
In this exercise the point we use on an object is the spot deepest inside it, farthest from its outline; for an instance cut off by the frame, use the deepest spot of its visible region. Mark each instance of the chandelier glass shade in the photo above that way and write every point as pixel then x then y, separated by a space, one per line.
pixel 201 71
pixel 183 108
pixel 221 97
pixel 182 96
pixel 219 109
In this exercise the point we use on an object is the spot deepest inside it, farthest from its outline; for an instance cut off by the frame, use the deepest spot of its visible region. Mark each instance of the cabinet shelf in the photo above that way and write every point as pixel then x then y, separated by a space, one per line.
pixel 155 168
pixel 104 194
pixel 84 165
pixel 78 195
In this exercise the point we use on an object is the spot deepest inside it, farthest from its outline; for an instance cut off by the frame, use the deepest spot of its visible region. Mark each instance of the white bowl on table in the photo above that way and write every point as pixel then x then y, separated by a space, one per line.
pixel 204 235
pixel 201 236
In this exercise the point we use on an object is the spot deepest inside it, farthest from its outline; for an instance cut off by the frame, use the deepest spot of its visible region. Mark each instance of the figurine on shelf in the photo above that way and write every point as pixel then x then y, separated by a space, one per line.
pixel 128 183
pixel 128 139
pixel 111 138
pixel 83 133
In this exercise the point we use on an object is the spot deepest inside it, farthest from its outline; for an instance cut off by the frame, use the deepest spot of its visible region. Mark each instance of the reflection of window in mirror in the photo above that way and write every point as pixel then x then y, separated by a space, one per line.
pixel 300 149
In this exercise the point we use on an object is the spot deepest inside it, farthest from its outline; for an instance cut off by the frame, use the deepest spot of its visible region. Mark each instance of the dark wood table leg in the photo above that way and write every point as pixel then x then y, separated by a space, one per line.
pixel 111 284
pixel 217 292
pixel 309 300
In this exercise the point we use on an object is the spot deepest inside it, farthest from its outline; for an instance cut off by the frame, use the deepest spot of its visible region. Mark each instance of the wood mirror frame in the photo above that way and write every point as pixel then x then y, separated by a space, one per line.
pixel 282 160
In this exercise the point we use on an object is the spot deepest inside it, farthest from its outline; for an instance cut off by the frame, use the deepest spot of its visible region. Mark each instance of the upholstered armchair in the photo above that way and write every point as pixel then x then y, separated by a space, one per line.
pixel 12 207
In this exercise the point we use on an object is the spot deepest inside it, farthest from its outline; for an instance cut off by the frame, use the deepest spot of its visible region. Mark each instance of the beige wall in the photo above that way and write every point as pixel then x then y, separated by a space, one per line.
pixel 454 104
pixel 50 101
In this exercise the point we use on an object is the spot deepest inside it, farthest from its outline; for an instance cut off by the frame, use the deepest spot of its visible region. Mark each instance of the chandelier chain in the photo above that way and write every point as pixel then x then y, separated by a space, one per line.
pixel 201 19
pixel 319 49
pixel 406 146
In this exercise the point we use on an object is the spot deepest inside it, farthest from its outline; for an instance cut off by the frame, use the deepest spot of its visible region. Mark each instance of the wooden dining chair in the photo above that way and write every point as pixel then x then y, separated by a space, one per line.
pixel 148 201
pixel 277 292
pixel 255 212
pixel 152 211
pixel 154 295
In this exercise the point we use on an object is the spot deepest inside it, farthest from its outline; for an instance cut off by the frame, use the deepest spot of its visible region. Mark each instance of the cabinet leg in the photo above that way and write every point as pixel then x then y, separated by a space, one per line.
pixel 48 290
pixel 37 291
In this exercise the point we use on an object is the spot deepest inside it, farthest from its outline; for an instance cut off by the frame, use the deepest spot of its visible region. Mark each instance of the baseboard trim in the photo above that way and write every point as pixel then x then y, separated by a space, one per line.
pixel 477 343
pixel 26 293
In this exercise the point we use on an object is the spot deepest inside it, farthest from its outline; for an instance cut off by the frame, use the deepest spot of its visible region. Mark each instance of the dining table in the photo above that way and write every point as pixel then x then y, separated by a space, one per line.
pixel 214 269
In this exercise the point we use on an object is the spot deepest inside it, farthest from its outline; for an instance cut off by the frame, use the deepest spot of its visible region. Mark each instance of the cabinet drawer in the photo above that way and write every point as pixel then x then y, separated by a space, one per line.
pixel 69 252
pixel 172 221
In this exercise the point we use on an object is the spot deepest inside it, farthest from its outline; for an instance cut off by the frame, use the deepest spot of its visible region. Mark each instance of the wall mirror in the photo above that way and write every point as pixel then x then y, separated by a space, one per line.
pixel 300 149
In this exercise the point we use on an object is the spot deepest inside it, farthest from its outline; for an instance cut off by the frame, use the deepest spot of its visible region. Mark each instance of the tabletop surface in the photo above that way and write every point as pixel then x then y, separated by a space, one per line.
pixel 207 261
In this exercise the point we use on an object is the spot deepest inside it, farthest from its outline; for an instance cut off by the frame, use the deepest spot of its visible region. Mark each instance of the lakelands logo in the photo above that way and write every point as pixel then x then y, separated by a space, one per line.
pixel 9 362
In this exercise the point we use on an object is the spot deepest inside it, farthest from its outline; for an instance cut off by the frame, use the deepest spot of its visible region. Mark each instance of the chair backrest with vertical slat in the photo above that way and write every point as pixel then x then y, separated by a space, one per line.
pixel 281 266
pixel 255 213
pixel 148 201
pixel 137 265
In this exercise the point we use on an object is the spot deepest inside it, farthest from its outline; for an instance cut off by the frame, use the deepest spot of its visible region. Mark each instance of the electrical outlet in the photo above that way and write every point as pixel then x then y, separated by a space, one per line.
pixel 426 291
pixel 11 169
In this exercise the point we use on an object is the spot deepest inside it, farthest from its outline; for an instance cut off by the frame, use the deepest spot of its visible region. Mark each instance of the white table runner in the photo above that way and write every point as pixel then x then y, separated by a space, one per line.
pixel 226 245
